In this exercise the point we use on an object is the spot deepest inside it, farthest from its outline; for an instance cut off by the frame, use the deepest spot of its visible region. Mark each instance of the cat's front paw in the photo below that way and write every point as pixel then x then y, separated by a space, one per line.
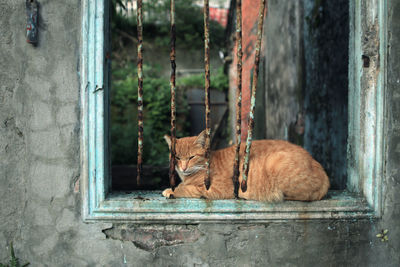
pixel 168 193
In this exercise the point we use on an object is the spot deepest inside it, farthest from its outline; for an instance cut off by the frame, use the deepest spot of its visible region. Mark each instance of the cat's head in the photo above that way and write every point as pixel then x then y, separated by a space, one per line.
pixel 189 154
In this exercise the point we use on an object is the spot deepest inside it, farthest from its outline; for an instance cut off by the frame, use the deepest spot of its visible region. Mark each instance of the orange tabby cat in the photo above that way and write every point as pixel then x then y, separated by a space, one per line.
pixel 278 170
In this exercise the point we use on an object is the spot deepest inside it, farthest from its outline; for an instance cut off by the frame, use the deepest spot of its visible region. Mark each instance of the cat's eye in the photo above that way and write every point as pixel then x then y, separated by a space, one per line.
pixel 191 157
pixel 177 158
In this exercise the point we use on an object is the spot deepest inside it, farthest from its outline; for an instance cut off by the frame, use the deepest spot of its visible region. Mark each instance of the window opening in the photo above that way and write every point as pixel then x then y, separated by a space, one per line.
pixel 152 169
pixel 366 131
pixel 140 117
pixel 254 71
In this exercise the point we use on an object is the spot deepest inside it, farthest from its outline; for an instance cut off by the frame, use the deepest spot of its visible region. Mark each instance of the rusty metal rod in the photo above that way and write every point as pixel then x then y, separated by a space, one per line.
pixel 239 54
pixel 246 164
pixel 173 105
pixel 140 90
pixel 207 181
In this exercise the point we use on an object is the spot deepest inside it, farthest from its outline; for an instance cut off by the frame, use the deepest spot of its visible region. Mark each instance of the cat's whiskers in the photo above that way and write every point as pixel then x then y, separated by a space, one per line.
pixel 195 169
pixel 190 171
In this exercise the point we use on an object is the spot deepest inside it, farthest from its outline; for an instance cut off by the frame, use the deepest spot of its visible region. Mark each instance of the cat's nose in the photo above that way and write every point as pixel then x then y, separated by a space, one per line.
pixel 184 166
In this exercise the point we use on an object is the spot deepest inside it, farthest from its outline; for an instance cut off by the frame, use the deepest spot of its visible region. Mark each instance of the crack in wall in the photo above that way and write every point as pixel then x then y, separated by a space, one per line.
pixel 150 238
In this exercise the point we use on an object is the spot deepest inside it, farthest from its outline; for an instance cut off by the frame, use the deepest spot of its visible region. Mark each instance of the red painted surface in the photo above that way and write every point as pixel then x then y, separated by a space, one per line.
pixel 220 15
pixel 249 36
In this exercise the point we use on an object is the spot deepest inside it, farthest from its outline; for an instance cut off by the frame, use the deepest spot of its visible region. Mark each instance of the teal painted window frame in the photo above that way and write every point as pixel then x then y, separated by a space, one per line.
pixel 365 144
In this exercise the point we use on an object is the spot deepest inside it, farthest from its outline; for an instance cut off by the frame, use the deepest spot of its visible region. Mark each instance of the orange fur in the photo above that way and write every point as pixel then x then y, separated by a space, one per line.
pixel 278 170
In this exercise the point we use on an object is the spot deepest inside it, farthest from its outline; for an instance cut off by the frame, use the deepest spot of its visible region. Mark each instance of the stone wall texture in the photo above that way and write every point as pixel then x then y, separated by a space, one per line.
pixel 40 206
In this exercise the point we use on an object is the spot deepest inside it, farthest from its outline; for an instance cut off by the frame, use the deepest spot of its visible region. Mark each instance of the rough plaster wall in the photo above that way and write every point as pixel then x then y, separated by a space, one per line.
pixel 392 179
pixel 13 160
pixel 40 208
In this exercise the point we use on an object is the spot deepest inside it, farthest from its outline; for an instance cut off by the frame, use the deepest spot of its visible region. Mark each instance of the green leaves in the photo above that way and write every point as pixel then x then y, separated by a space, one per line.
pixel 157 112
pixel 219 81
pixel 156 25
pixel 383 235
pixel 156 29
pixel 14 261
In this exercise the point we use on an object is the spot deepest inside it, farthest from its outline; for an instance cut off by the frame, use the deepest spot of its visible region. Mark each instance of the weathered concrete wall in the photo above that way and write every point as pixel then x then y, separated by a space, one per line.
pixel 284 67
pixel 40 205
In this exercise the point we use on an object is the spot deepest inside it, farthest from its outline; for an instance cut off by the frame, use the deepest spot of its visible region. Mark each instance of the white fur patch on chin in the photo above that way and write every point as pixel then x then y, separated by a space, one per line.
pixel 180 174
pixel 189 172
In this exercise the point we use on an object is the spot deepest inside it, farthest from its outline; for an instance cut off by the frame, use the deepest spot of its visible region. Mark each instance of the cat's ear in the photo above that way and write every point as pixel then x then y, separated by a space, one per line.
pixel 201 139
pixel 168 140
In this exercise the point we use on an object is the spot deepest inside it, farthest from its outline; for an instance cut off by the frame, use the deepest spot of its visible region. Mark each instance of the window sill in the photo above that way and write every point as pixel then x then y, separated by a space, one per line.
pixel 151 207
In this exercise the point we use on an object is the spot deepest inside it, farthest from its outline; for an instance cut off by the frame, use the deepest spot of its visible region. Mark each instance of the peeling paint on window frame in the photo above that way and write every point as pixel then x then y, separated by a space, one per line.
pixel 365 144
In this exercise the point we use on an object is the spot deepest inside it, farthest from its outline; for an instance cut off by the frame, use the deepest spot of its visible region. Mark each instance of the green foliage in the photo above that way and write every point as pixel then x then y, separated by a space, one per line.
pixel 157 110
pixel 14 261
pixel 156 30
pixel 219 81
pixel 156 26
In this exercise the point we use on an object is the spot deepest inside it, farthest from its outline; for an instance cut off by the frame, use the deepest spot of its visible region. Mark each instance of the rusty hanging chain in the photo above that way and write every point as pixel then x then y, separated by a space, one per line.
pixel 239 54
pixel 173 105
pixel 207 181
pixel 246 164
pixel 140 90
